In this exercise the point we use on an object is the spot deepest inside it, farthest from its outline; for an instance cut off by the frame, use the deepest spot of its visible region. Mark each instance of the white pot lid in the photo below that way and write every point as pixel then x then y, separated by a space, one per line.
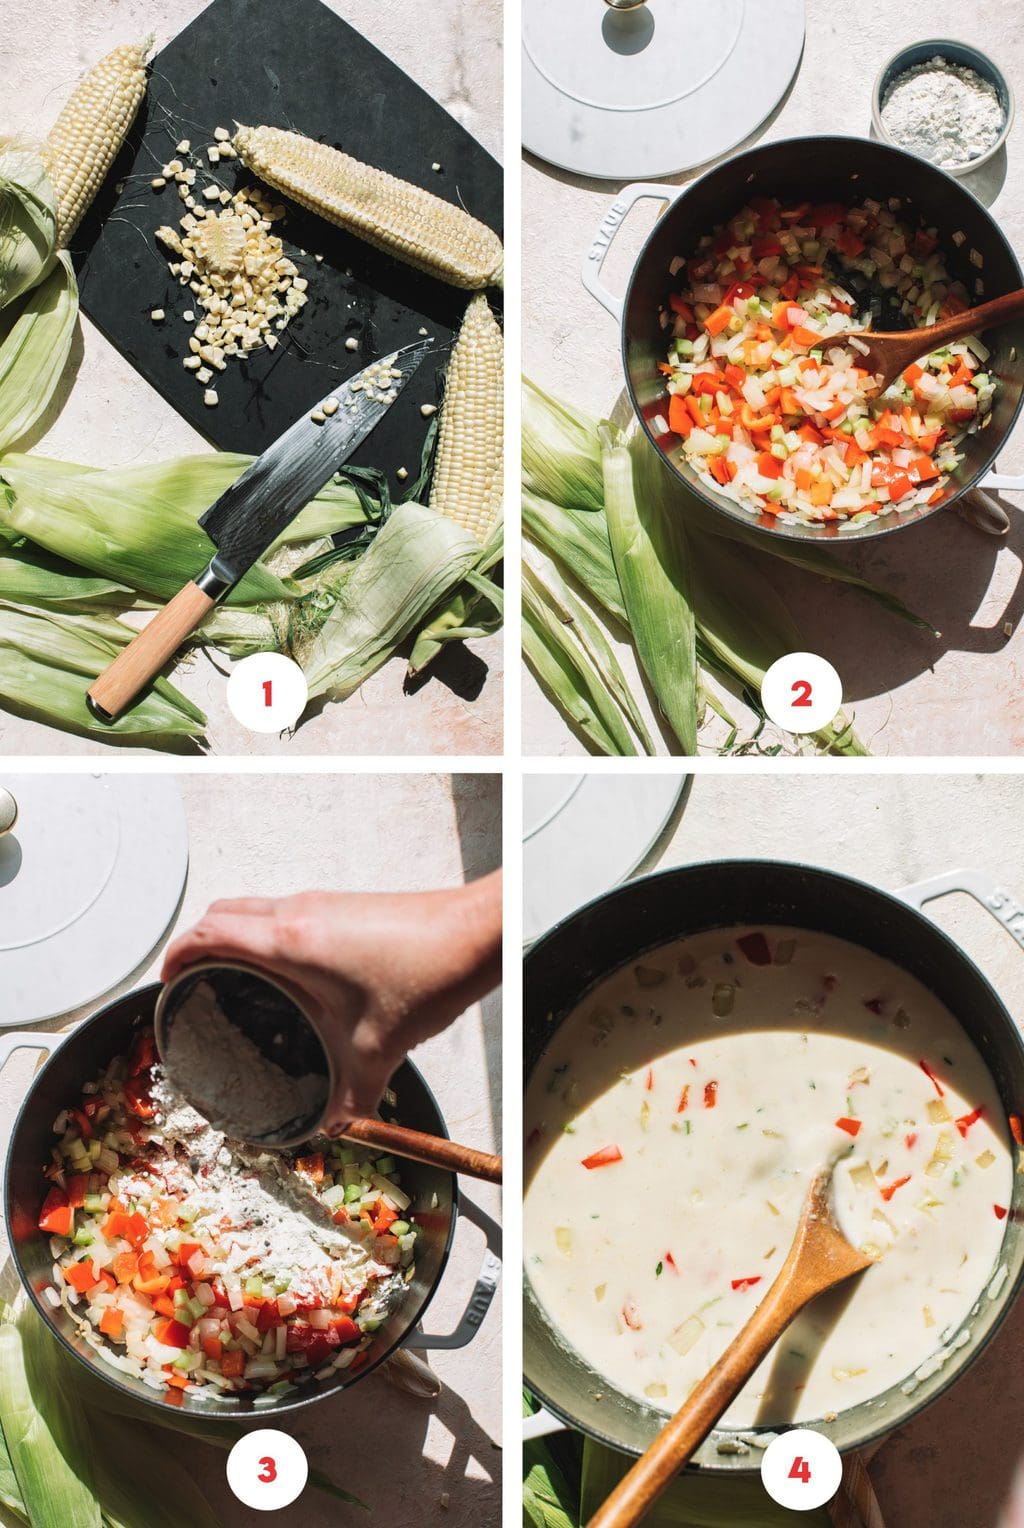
pixel 583 834
pixel 90 878
pixel 652 91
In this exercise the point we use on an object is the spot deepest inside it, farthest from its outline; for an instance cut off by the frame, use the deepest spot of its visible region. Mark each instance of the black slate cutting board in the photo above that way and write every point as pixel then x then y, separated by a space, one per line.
pixel 297 66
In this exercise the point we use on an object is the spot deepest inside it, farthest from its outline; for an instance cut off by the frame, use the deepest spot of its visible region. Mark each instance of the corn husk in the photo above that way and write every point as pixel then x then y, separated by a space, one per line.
pixel 412 566
pixel 138 525
pixel 49 659
pixel 653 564
pixel 48 1451
pixel 29 576
pixel 36 331
pixel 475 609
pixel 28 222
pixel 575 638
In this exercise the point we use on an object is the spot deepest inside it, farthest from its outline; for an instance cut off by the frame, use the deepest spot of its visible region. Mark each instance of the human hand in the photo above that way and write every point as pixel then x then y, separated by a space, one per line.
pixel 377 972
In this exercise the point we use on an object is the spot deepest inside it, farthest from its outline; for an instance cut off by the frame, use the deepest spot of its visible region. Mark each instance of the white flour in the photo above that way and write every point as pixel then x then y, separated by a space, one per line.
pixel 238 1088
pixel 252 1205
pixel 942 111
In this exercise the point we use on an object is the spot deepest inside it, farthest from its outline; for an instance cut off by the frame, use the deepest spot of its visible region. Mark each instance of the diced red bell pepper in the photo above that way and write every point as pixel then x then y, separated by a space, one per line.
pixel 56 1217
pixel 825 214
pixel 1017 1129
pixel 125 1267
pixel 82 1276
pixel 112 1322
pixel 849 243
pixel 213 1347
pixel 345 1330
pixel 710 1094
pixel 84 1124
pixel 312 1166
pixel 936 1084
pixel 746 1283
pixel 765 246
pixel 77 1188
pixel 1000 1211
pixel 186 1250
pixel 677 305
pixel 922 469
pixel 684 1099
pixel 851 1126
pixel 269 1317
pixel 173 1334
pixel 603 1158
pixel 755 946
pixel 769 465
pixel 137 1099
pixel 165 1306
pixel 964 1123
pixel 891 1188
pixel 143 1054
pixel 899 486
pixel 232 1364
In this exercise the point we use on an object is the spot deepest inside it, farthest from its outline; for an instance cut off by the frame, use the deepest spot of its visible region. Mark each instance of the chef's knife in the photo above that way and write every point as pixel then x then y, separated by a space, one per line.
pixel 252 513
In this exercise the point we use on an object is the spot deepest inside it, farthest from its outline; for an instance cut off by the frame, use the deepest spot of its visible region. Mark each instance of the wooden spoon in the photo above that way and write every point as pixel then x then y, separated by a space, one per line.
pixel 420 1147
pixel 889 354
pixel 819 1258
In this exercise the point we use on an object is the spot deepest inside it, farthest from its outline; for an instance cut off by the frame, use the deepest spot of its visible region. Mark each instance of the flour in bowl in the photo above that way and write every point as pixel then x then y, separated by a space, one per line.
pixel 944 112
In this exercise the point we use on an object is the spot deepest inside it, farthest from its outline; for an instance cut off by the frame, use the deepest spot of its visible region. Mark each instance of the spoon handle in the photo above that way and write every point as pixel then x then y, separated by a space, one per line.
pixel 975 320
pixel 637 1491
pixel 420 1147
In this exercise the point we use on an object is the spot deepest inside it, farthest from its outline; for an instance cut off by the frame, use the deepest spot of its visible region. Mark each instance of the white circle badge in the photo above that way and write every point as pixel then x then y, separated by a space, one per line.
pixel 267 692
pixel 267 1469
pixel 801 1470
pixel 801 692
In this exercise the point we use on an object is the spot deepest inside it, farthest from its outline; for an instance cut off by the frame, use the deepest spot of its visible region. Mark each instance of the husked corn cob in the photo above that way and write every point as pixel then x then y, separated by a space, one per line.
pixel 87 136
pixel 403 220
pixel 467 482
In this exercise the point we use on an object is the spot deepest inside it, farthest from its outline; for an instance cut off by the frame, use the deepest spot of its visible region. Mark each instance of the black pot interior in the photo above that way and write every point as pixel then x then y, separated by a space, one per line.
pixel 58 1084
pixel 647 913
pixel 824 169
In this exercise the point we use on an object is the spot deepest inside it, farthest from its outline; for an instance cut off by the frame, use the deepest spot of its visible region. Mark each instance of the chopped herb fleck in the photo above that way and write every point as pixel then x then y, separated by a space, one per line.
pixel 659 1270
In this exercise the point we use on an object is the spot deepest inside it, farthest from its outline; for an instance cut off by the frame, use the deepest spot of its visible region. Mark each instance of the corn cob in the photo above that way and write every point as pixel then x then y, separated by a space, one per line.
pixel 467 485
pixel 425 231
pixel 87 136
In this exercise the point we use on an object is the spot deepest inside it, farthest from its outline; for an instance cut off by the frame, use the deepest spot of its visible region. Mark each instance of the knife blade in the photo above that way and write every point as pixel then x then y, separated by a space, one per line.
pixel 250 515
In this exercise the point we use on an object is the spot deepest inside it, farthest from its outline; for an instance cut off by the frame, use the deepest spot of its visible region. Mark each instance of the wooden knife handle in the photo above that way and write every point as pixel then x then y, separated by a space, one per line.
pixel 420 1147
pixel 146 655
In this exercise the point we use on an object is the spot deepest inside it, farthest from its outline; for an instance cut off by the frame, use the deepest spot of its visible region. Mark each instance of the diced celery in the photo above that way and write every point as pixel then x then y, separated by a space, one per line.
pixel 705 403
pixel 83 1238
pixel 400 1228
pixel 778 433
pixel 93 1204
pixel 682 347
pixel 816 355
pixel 254 1286
pixel 353 1191
pixel 386 1165
pixel 282 1282
pixel 779 450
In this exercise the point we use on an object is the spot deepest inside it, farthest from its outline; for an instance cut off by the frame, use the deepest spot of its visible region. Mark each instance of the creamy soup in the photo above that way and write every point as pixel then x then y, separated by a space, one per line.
pixel 674 1125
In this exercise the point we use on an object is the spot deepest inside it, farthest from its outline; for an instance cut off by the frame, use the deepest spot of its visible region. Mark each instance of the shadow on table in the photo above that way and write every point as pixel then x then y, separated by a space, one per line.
pixel 941 569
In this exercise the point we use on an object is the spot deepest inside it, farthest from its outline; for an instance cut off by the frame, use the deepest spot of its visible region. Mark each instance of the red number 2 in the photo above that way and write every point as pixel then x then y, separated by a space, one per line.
pixel 268 693
pixel 269 1471
pixel 799 1470
pixel 801 689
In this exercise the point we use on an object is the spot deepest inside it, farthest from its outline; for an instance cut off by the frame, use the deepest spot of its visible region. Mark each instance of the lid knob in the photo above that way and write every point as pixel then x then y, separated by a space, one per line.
pixel 8 811
pixel 625 5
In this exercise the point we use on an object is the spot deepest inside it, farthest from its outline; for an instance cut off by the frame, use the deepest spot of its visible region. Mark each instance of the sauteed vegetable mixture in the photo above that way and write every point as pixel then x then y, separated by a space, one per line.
pixel 768 392
pixel 192 1261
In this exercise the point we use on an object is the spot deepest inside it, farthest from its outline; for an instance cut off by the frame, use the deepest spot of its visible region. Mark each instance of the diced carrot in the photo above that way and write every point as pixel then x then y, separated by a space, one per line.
pixel 780 310
pixel 710 1095
pixel 854 455
pixel 108 1281
pixel 164 1306
pixel 112 1322
pixel 684 1099
pixel 821 492
pixel 81 1276
pixel 125 1266
pixel 772 396
pixel 113 1226
pixel 665 369
pixel 891 1188
pixel 735 377
pixel 155 1284
pixel 164 1212
pixel 232 1365
pixel 887 437
pixel 679 421
pixel 930 441
pixel 808 432
pixel 804 479
pixel 836 411
pixel 179 1381
pixel 804 336
pixel 603 1158
pixel 718 320
pixel 719 469
pixel 936 497
pixel 789 401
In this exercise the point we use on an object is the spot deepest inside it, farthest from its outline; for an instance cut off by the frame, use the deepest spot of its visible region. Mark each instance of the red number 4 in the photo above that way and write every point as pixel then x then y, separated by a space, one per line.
pixel 268 692
pixel 802 691
pixel 800 1470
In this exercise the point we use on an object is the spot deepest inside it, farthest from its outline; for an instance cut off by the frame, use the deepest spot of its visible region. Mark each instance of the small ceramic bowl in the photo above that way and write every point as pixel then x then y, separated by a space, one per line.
pixel 953 53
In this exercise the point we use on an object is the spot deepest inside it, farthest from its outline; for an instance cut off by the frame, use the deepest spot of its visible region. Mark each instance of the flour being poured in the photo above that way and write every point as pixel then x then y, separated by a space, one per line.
pixel 944 112
pixel 238 1088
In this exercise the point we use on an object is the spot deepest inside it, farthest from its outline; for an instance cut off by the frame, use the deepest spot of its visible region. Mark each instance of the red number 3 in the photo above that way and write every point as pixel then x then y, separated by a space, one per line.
pixel 269 1471
pixel 268 692
pixel 799 1470
pixel 801 689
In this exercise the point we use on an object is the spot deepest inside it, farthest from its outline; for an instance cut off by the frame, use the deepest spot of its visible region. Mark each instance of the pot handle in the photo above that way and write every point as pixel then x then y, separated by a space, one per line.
pixel 1008 481
pixel 12 1040
pixel 541 1424
pixel 484 1290
pixel 605 235
pixel 985 890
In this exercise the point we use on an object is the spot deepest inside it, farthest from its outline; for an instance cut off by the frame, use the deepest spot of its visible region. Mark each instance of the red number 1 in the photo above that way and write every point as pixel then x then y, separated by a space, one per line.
pixel 799 1470
pixel 268 693
pixel 801 689
pixel 269 1471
